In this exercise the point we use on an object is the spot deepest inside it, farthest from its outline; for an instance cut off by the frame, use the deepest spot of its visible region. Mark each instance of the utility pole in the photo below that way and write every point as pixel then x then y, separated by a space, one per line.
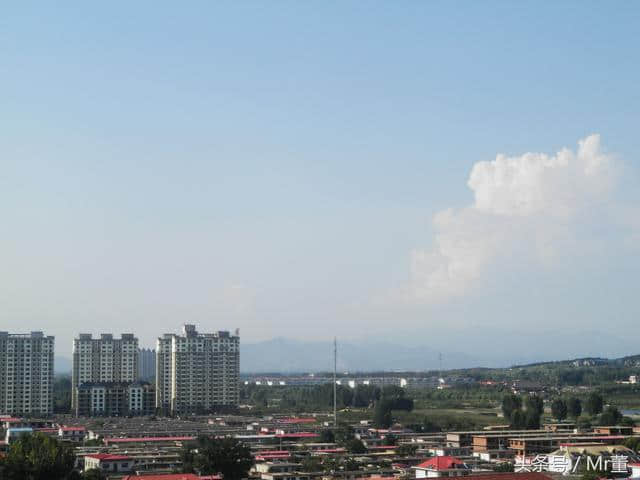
pixel 335 390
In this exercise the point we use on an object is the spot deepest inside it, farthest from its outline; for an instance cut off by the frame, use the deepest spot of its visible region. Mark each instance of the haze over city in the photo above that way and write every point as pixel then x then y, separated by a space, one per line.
pixel 397 173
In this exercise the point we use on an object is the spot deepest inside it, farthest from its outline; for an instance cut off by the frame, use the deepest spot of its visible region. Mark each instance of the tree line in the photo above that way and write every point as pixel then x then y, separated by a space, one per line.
pixel 583 413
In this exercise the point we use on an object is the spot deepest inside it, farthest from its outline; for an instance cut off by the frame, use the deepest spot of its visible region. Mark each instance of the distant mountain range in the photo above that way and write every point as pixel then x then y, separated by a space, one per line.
pixel 281 355
pixel 628 361
pixel 285 355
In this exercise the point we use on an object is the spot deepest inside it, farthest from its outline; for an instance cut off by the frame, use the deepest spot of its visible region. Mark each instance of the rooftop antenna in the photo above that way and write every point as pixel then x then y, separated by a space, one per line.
pixel 335 370
pixel 440 361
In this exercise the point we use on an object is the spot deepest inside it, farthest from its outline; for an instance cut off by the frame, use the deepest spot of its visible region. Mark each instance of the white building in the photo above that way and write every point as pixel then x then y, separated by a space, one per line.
pixel 26 373
pixel 109 463
pixel 103 360
pixel 197 372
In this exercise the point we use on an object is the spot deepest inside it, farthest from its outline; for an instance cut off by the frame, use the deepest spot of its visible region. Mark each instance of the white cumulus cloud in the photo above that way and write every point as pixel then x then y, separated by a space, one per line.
pixel 531 207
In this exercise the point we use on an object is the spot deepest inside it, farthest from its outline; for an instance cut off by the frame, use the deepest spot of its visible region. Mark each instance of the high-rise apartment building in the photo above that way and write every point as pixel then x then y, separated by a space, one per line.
pixel 26 374
pixel 147 364
pixel 103 360
pixel 197 372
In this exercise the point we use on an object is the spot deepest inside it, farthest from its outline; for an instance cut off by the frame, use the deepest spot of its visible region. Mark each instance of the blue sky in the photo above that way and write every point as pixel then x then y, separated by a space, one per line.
pixel 273 165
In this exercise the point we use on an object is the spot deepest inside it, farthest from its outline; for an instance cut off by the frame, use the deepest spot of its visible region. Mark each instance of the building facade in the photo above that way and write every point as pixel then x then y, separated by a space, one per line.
pixel 103 360
pixel 115 399
pixel 26 373
pixel 147 364
pixel 197 373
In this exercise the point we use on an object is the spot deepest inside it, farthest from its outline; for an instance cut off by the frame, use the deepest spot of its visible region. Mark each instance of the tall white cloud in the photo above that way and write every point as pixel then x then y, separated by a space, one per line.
pixel 526 208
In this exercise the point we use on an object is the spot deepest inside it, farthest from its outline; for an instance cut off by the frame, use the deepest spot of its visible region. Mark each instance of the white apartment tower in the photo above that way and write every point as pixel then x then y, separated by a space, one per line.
pixel 104 359
pixel 26 374
pixel 197 372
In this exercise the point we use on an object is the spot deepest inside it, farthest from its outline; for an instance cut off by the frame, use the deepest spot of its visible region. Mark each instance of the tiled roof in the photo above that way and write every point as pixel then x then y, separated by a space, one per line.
pixel 147 439
pixel 442 463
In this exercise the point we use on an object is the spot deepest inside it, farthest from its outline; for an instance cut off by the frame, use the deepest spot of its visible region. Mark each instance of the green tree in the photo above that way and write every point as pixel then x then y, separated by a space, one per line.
pixel 311 464
pixel 611 416
pixel 503 467
pixel 382 414
pixel 226 455
pixel 594 404
pixel 559 409
pixel 518 420
pixel 327 436
pixel 534 403
pixel 627 422
pixel 343 434
pixel 62 394
pixel 574 407
pixel 187 457
pixel 94 442
pixel 390 439
pixel 94 474
pixel 356 446
pixel 510 403
pixel 583 422
pixel 633 443
pixel 406 450
pixel 428 425
pixel 39 457
pixel 532 419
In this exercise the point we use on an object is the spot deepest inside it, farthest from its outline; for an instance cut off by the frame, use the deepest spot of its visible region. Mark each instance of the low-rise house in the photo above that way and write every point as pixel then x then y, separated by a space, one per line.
pixel 72 434
pixel 277 467
pixel 446 466
pixel 108 462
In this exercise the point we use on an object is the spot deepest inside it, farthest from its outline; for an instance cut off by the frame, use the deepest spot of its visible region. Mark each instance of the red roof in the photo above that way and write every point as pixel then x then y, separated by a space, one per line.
pixel 147 439
pixel 444 462
pixel 107 457
pixel 72 429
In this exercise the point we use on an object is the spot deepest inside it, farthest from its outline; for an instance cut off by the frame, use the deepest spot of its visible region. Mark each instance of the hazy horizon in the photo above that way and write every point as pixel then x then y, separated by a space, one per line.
pixel 463 177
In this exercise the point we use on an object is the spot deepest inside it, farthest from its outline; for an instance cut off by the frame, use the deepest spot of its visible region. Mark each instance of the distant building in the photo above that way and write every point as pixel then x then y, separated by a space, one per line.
pixel 26 374
pixel 197 372
pixel 114 399
pixel 146 364
pixel 103 360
